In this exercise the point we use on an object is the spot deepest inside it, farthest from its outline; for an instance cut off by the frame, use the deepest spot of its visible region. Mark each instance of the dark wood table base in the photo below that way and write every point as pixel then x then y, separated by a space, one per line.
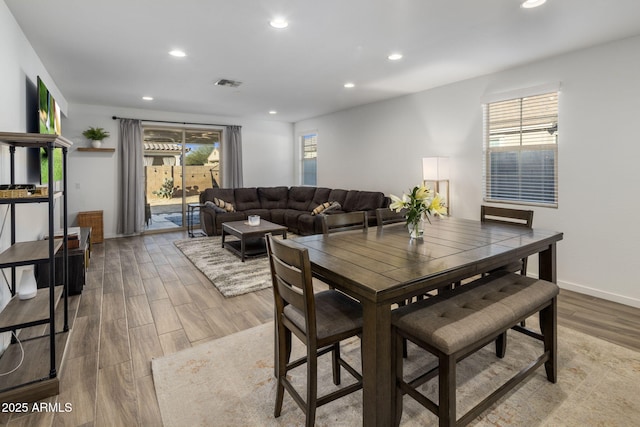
pixel 250 241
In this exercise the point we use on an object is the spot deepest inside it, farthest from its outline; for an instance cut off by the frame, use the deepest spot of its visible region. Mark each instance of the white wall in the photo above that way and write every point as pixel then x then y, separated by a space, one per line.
pixel 380 146
pixel 267 145
pixel 19 69
pixel 267 150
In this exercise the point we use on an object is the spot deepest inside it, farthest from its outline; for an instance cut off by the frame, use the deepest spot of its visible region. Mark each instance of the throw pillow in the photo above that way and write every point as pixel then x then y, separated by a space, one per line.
pixel 320 208
pixel 335 206
pixel 215 207
pixel 224 205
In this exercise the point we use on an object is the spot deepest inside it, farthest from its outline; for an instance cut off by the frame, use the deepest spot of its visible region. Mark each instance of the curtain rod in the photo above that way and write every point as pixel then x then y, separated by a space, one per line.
pixel 172 122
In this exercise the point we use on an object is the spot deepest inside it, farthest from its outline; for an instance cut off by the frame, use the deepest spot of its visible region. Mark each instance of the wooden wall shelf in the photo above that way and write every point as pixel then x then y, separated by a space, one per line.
pixel 97 150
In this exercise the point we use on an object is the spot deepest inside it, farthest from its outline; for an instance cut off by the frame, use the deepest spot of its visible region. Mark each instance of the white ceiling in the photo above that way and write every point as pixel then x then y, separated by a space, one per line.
pixel 112 52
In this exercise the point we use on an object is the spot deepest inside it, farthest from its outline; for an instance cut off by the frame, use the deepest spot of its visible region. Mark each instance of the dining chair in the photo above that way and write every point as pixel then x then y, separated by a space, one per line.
pixel 385 216
pixel 516 217
pixel 321 321
pixel 344 221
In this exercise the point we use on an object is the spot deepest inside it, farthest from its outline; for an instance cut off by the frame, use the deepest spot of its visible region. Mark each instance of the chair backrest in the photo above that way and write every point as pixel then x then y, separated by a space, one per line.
pixel 386 216
pixel 292 283
pixel 520 217
pixel 344 221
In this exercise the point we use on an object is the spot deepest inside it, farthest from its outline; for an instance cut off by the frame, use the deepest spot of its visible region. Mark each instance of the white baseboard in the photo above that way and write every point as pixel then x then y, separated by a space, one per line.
pixel 609 296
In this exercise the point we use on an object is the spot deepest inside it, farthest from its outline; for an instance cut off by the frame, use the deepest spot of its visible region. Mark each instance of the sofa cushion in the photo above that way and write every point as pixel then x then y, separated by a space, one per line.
pixel 277 216
pixel 337 195
pixel 273 197
pixel 309 224
pixel 226 217
pixel 247 198
pixel 262 213
pixel 320 196
pixel 300 198
pixel 363 201
pixel 291 219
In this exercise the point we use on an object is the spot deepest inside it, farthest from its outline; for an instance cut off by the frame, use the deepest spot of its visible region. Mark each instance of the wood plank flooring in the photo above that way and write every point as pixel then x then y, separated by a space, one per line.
pixel 144 299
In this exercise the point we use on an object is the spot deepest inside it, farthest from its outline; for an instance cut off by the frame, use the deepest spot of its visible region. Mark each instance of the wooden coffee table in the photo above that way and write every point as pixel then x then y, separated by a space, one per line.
pixel 250 241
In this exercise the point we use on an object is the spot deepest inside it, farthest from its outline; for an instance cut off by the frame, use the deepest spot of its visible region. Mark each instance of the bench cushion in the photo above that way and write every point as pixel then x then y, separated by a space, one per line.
pixel 477 310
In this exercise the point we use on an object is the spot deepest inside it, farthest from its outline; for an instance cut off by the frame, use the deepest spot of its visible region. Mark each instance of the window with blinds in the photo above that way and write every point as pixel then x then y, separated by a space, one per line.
pixel 309 159
pixel 521 150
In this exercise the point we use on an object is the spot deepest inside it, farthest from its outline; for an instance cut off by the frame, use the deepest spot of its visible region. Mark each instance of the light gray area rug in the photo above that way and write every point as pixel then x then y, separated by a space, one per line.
pixel 231 276
pixel 229 382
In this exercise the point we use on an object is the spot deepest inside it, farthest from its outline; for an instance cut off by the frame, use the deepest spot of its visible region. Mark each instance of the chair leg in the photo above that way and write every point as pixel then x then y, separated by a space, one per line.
pixel 335 363
pixel 405 354
pixel 524 273
pixel 284 353
pixel 312 385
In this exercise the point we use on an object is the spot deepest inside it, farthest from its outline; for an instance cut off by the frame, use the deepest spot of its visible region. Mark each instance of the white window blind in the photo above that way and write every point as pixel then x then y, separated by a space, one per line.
pixel 309 158
pixel 521 150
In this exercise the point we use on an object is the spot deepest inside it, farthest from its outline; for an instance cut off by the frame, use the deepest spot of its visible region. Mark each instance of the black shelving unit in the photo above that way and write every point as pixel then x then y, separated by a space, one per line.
pixel 28 383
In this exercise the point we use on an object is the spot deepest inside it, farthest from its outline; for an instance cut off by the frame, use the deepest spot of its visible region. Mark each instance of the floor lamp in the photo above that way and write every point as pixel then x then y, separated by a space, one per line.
pixel 436 170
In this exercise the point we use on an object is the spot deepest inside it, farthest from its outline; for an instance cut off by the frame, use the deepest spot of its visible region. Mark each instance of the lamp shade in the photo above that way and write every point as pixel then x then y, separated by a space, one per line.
pixel 435 168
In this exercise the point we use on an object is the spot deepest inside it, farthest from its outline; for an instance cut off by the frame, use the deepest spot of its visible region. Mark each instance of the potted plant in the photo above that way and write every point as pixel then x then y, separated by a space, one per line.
pixel 96 135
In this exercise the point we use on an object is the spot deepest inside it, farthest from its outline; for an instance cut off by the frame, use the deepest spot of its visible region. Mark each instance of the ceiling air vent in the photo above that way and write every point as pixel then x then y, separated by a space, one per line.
pixel 227 83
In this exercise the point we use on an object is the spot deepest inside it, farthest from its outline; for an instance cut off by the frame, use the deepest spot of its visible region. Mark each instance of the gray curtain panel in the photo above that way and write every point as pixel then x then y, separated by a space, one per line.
pixel 130 149
pixel 232 157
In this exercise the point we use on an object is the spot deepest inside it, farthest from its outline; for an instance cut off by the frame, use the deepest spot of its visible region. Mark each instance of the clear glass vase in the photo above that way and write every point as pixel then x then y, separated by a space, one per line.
pixel 416 228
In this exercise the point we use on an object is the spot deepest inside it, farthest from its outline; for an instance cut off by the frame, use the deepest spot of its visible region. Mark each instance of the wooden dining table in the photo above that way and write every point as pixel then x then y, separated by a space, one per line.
pixel 382 265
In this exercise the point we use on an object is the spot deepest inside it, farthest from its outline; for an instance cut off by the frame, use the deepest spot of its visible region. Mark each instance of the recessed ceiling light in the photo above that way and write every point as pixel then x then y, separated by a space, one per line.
pixel 273 112
pixel 177 53
pixel 148 98
pixel 279 23
pixel 394 56
pixel 528 4
pixel 349 85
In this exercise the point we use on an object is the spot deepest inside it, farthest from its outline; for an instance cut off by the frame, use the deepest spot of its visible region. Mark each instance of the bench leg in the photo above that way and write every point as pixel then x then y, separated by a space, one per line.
pixel 447 391
pixel 549 329
pixel 501 345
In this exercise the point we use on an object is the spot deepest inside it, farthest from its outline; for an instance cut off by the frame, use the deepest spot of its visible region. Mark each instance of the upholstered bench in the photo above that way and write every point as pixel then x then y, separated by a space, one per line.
pixel 454 325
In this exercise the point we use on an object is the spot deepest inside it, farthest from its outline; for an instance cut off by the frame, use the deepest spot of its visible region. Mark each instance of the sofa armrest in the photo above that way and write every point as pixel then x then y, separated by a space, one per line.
pixel 208 220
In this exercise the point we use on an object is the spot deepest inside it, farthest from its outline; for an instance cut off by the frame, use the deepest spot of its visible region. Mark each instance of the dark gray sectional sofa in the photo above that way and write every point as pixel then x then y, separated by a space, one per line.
pixel 288 206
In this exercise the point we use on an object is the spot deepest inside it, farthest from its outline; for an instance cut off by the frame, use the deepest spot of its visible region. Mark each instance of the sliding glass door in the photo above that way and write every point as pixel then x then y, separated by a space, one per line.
pixel 180 163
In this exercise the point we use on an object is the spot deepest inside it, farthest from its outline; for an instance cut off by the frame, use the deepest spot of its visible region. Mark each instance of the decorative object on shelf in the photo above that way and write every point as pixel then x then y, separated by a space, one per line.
pixel 436 170
pixel 96 135
pixel 28 285
pixel 14 191
pixel 419 204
